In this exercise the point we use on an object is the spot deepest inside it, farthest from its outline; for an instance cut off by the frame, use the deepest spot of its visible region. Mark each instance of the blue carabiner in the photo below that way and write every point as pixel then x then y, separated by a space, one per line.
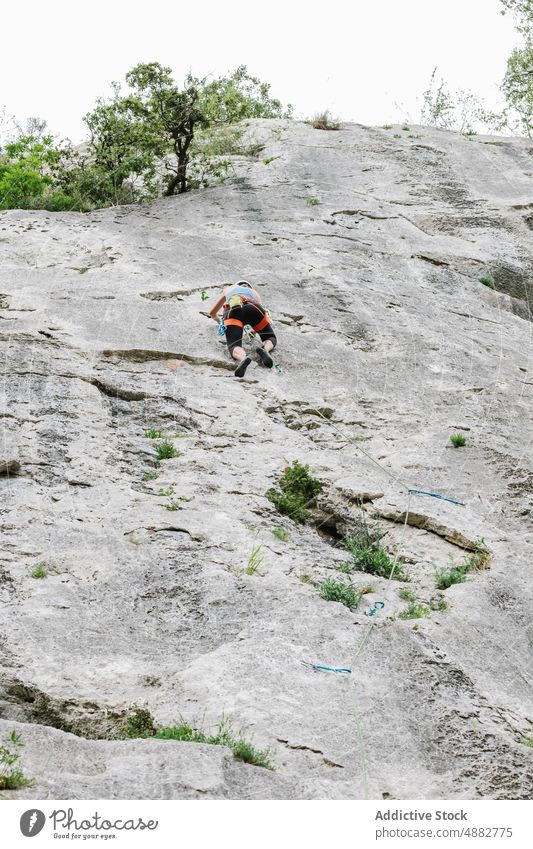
pixel 378 605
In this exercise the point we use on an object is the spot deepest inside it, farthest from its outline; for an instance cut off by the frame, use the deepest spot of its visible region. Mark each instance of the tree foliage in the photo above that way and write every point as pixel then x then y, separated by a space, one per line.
pixel 155 137
pixel 462 111
pixel 523 13
pixel 517 85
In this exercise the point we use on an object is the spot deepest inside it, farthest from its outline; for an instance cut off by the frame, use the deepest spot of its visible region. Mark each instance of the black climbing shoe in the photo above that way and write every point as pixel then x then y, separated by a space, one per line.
pixel 241 368
pixel 265 357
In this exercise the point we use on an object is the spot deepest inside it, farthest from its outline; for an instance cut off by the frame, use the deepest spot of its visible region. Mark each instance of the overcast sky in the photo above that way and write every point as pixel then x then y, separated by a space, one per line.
pixel 366 61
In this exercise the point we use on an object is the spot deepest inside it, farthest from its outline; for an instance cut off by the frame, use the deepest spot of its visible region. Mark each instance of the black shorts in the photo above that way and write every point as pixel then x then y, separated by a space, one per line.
pixel 251 314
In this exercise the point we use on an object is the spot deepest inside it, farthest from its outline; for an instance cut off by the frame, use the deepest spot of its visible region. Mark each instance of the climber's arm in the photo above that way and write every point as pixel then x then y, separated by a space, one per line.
pixel 214 311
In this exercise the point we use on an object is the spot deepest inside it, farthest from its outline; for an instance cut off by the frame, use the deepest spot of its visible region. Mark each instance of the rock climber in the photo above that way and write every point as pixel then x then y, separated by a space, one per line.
pixel 242 306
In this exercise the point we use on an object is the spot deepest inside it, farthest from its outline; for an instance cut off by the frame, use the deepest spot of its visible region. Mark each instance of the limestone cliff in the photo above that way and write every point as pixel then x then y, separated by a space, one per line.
pixel 389 343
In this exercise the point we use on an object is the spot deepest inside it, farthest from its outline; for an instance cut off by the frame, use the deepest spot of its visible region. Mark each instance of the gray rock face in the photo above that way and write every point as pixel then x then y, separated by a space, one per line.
pixel 388 343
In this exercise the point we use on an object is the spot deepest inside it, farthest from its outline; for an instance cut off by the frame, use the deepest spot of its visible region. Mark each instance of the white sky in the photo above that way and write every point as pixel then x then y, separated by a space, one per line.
pixel 366 60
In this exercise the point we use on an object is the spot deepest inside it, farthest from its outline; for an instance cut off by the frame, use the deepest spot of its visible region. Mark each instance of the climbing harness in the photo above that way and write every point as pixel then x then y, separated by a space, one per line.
pixel 378 605
pixel 321 668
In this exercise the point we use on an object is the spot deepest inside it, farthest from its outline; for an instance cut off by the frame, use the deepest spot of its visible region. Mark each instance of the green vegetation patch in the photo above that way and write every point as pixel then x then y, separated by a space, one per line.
pixel 39 571
pixel 166 451
pixel 368 555
pixel 140 724
pixel 414 610
pixel 11 777
pixel 296 490
pixel 332 590
pixel 458 440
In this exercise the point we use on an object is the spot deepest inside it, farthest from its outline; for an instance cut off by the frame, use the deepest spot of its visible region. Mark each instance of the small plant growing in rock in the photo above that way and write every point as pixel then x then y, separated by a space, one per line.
pixel 39 571
pixel 242 749
pixel 445 578
pixel 153 434
pixel 254 561
pixel 406 129
pixel 168 490
pixel 280 534
pixel 414 610
pixel 307 579
pixel 458 440
pixel 173 504
pixel 139 723
pixel 368 555
pixel 312 201
pixel 12 778
pixel 438 602
pixel 331 590
pixel 324 121
pixel 479 559
pixel 295 491
pixel 407 595
pixel 150 476
pixel 269 159
pixel 387 127
pixel 487 281
pixel 166 451
pixel 528 741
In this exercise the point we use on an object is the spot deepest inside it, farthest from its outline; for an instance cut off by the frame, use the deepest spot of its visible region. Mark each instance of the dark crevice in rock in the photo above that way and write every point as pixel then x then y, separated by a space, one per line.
pixel 141 355
pixel 26 703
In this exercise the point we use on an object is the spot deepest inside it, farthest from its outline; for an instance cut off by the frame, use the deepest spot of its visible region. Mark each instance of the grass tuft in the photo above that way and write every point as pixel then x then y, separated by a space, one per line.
pixel 166 451
pixel 407 595
pixel 331 590
pixel 325 121
pixel 458 440
pixel 476 561
pixel 448 577
pixel 167 491
pixel 39 571
pixel 280 534
pixel 242 749
pixel 254 561
pixel 312 201
pixel 150 476
pixel 153 434
pixel 367 555
pixel 414 610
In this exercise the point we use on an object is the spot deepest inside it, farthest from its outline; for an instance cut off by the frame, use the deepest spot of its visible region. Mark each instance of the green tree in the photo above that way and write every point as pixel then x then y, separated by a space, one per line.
pixel 182 130
pixel 24 170
pixel 517 85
